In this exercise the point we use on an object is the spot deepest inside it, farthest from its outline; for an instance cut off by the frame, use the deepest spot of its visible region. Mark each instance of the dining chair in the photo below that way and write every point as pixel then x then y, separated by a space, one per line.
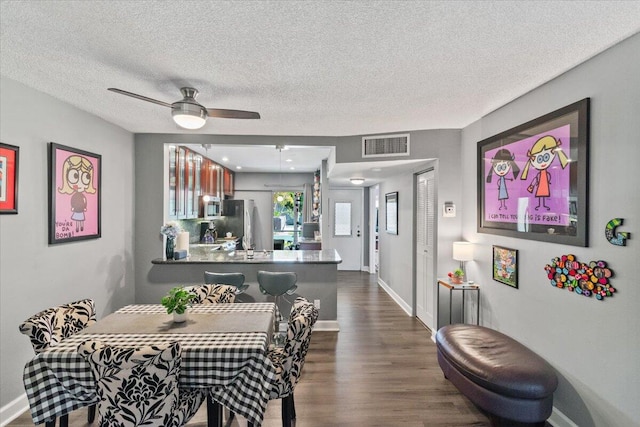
pixel 213 294
pixel 289 360
pixel 233 279
pixel 139 386
pixel 47 328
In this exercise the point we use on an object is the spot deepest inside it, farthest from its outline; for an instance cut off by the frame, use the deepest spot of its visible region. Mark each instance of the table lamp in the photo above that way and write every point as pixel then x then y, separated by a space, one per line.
pixel 463 251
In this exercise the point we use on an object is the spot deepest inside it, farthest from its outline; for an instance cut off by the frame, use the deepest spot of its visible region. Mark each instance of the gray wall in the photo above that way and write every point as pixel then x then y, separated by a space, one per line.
pixel 593 345
pixel 34 275
pixel 150 181
pixel 397 251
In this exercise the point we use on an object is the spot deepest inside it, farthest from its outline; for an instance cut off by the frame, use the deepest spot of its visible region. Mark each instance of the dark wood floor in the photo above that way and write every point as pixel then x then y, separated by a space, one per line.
pixel 379 370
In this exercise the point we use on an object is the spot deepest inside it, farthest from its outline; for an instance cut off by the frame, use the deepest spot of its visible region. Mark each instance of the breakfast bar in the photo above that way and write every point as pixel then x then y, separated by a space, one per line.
pixel 316 271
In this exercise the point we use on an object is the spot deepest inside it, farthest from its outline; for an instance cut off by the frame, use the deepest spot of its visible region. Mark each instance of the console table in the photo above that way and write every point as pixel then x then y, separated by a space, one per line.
pixel 464 287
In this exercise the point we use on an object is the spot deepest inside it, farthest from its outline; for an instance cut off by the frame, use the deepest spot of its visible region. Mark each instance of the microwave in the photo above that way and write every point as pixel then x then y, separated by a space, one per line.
pixel 209 207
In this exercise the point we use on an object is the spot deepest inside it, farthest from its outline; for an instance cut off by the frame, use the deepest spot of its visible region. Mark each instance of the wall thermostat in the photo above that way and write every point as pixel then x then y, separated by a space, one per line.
pixel 448 210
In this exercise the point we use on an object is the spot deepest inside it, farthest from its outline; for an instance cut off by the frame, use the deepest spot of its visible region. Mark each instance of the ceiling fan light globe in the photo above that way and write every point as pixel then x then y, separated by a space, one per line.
pixel 188 115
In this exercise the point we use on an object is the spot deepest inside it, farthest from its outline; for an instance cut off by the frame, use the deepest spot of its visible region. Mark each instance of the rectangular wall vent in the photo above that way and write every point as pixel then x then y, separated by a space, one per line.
pixel 385 145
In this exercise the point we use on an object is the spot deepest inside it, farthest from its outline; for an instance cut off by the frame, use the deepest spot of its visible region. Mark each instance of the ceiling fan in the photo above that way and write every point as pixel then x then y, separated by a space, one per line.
pixel 188 113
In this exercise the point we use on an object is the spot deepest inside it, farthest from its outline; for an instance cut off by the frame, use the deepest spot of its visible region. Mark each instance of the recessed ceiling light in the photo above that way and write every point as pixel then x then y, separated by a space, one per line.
pixel 225 159
pixel 356 181
pixel 238 167
pixel 289 160
pixel 292 168
pixel 376 169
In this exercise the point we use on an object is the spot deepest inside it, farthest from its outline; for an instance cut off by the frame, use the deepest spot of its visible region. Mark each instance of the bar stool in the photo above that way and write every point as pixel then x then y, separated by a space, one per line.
pixel 233 279
pixel 277 284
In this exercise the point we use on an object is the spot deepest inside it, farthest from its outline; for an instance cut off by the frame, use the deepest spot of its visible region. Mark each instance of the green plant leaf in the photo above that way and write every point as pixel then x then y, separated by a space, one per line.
pixel 177 300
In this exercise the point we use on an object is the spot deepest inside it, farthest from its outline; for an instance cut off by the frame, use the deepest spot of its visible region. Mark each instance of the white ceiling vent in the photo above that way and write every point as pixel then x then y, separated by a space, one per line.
pixel 385 145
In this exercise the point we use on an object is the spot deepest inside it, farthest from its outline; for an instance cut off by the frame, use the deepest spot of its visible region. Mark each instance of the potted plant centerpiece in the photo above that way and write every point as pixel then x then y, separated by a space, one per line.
pixel 177 301
pixel 457 276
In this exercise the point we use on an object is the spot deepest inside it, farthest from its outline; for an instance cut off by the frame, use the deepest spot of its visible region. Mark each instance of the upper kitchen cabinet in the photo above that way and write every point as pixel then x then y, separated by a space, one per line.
pixel 190 176
pixel 192 188
pixel 228 185
pixel 184 183
pixel 176 195
pixel 211 180
pixel 173 182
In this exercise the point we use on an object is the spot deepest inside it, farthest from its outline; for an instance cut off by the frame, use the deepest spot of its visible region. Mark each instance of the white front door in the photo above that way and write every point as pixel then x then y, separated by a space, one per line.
pixel 345 226
pixel 425 223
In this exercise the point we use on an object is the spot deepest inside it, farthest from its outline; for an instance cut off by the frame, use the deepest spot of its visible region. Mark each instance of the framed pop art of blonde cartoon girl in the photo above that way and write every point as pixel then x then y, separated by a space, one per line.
pixel 533 180
pixel 74 194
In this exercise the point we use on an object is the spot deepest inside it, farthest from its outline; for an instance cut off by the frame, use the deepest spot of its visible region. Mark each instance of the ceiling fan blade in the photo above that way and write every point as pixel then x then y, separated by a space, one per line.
pixel 232 114
pixel 135 95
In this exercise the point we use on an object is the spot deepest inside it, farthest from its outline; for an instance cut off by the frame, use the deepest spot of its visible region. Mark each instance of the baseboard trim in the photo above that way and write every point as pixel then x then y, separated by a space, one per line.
pixel 403 305
pixel 13 409
pixel 326 325
pixel 558 419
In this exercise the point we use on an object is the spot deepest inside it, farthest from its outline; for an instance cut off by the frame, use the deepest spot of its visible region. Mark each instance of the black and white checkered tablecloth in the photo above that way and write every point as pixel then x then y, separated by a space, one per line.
pixel 210 308
pixel 202 308
pixel 234 366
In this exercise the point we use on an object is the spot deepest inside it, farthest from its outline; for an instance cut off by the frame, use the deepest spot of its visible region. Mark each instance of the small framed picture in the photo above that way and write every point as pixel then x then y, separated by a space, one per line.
pixel 8 179
pixel 505 266
pixel 74 194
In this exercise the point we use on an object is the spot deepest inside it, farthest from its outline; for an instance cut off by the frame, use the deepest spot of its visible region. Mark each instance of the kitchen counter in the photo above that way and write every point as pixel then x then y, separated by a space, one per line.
pixel 205 254
pixel 316 272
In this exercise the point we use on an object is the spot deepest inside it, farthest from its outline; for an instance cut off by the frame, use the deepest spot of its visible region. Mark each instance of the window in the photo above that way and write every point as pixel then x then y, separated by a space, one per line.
pixel 342 219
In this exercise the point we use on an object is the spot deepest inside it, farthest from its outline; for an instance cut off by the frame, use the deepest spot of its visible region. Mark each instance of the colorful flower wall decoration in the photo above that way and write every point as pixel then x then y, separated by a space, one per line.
pixel 583 279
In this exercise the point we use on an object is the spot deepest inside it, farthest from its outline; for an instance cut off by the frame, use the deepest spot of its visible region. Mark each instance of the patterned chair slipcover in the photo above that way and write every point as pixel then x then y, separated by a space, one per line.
pixel 139 387
pixel 213 294
pixel 289 360
pixel 48 327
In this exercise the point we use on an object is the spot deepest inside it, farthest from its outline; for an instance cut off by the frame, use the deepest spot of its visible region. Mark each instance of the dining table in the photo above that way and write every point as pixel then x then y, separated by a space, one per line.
pixel 224 349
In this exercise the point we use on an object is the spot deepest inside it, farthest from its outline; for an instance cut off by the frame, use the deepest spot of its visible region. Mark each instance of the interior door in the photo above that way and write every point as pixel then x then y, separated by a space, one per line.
pixel 346 227
pixel 425 223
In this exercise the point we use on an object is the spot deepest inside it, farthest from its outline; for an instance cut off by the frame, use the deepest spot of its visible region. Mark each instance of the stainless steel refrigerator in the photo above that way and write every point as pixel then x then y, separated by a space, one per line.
pixel 237 218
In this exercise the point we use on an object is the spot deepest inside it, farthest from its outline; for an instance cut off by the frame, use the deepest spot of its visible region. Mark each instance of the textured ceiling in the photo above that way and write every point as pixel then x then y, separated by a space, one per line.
pixel 330 68
pixel 309 68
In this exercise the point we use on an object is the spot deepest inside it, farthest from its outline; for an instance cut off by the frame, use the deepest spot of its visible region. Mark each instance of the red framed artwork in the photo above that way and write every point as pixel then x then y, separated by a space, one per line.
pixel 74 194
pixel 9 156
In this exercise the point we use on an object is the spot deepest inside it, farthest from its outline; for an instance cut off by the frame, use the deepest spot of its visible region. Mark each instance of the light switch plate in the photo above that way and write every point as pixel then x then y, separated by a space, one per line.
pixel 448 210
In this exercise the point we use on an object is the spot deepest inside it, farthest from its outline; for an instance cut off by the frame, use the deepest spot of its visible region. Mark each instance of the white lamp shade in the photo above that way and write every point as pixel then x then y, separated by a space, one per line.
pixel 188 122
pixel 462 251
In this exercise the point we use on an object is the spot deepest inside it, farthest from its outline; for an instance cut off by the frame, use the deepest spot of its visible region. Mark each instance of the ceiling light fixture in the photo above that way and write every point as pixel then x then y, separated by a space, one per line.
pixel 357 181
pixel 187 114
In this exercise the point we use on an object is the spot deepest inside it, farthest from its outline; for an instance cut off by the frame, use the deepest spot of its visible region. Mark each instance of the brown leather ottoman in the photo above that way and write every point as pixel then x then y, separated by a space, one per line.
pixel 497 373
